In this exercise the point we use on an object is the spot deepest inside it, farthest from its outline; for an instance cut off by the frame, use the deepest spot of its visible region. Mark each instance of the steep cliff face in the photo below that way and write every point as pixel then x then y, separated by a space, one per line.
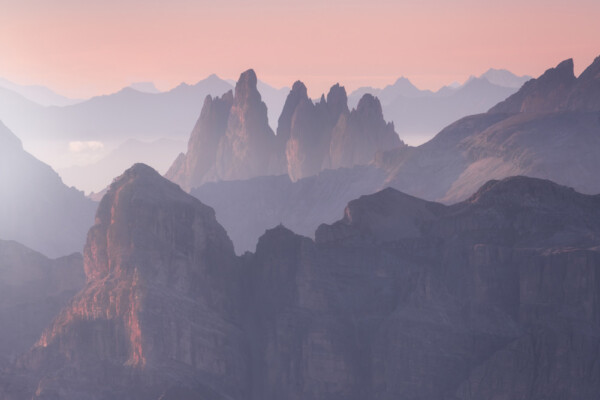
pixel 37 209
pixel 161 307
pixel 198 164
pixel 328 135
pixel 357 136
pixel 249 146
pixel 307 149
pixel 547 93
pixel 33 289
pixel 585 96
pixel 402 298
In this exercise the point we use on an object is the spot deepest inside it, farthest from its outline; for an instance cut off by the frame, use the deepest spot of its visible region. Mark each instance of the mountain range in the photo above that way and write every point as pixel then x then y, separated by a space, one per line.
pixel 48 123
pixel 419 114
pixel 233 141
pixel 551 141
pixel 492 297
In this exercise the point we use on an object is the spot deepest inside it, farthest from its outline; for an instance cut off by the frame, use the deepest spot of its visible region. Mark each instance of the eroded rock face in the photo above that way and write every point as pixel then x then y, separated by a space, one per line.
pixel 548 93
pixel 359 135
pixel 161 306
pixel 401 298
pixel 328 135
pixel 198 164
pixel 248 148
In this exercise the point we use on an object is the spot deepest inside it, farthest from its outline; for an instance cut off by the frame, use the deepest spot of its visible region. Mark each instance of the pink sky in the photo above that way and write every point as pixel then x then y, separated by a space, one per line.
pixel 82 48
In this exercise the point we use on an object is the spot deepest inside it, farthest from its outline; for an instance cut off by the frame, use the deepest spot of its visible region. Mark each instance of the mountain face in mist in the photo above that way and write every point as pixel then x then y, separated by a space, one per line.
pixel 246 209
pixel 248 147
pixel 548 129
pixel 231 140
pixel 400 298
pixel 198 164
pixel 360 134
pixel 38 94
pixel 33 289
pixel 310 136
pixel 37 209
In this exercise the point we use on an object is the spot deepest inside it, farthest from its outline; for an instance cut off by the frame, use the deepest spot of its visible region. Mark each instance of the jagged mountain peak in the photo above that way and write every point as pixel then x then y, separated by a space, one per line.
pixel 548 93
pixel 337 100
pixel 247 84
pixel 369 104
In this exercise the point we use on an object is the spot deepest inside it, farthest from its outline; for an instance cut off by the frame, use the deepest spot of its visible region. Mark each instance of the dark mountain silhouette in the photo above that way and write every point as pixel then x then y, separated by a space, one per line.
pixel 400 298
pixel 33 289
pixel 36 208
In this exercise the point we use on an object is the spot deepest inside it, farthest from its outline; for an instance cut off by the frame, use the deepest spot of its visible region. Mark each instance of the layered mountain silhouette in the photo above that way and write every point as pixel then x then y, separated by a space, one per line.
pixel 549 129
pixel 401 298
pixel 233 141
pixel 419 114
pixel 37 209
pixel 33 289
pixel 560 144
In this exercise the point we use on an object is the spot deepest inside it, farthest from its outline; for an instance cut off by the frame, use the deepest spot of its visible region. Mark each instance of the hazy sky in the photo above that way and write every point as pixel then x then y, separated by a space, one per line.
pixel 82 48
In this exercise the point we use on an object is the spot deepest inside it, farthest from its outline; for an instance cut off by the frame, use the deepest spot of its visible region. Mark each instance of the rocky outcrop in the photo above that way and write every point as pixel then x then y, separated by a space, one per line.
pixel 548 93
pixel 33 289
pixel 402 298
pixel 232 140
pixel 161 307
pixel 357 136
pixel 198 164
pixel 248 148
pixel 585 96
pixel 37 209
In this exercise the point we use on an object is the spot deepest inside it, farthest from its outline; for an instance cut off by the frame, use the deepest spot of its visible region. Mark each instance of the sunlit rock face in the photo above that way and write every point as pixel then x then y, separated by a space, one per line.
pixel 36 208
pixel 198 164
pixel 161 306
pixel 249 147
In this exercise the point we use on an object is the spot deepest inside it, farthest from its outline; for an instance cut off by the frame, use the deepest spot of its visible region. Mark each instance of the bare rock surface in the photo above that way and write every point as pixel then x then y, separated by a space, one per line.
pixel 495 296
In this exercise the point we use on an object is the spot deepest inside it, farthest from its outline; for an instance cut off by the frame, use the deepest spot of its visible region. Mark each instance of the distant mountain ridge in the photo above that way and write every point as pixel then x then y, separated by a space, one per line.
pixel 419 114
pixel 37 209
pixel 39 94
